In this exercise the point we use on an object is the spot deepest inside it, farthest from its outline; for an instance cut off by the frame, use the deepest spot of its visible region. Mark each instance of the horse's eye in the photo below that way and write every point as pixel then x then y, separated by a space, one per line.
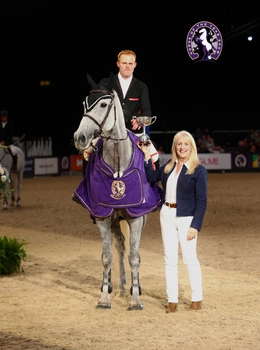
pixel 103 105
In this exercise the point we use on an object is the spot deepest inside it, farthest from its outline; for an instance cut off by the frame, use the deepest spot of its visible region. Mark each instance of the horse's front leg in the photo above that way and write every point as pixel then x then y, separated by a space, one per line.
pixel 136 227
pixel 106 258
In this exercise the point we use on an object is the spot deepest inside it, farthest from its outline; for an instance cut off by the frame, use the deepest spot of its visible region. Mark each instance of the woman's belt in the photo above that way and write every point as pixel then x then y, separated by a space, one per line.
pixel 171 205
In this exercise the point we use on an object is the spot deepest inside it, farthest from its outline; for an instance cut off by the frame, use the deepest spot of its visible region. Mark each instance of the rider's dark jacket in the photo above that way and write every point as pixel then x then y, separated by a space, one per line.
pixel 136 101
pixel 7 133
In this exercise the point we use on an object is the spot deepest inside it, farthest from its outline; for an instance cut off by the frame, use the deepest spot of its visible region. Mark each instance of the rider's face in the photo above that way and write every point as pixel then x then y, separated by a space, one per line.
pixel 126 65
pixel 4 118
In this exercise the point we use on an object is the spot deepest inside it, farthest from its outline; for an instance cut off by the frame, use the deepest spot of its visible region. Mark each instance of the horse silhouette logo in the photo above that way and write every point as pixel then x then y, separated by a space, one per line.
pixel 118 189
pixel 204 42
pixel 240 161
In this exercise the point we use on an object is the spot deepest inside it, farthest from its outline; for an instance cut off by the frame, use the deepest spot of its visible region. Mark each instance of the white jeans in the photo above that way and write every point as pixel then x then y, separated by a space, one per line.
pixel 174 231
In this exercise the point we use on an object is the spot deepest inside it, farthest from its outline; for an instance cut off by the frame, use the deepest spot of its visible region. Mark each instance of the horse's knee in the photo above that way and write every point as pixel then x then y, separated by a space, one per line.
pixel 106 260
pixel 134 260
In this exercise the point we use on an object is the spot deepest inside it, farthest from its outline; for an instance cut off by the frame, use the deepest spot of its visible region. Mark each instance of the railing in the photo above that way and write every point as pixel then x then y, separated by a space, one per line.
pixel 227 139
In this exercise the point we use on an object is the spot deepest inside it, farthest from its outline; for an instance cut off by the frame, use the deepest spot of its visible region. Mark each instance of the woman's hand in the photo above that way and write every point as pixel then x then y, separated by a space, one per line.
pixel 192 233
pixel 144 148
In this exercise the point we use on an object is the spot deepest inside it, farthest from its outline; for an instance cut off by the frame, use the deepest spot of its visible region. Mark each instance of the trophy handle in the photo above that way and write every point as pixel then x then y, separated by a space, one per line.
pixel 153 120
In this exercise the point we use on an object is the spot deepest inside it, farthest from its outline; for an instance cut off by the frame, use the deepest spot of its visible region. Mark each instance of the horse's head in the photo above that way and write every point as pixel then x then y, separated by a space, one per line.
pixel 99 113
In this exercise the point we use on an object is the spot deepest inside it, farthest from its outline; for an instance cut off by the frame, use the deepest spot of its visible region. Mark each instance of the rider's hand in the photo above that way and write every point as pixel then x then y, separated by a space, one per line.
pixel 135 124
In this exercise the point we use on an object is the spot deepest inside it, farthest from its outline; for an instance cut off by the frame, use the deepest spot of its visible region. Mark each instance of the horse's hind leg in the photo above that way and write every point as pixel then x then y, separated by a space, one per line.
pixel 106 257
pixel 120 247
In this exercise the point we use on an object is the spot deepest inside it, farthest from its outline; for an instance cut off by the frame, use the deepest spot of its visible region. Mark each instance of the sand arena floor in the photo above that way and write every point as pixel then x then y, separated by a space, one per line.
pixel 52 305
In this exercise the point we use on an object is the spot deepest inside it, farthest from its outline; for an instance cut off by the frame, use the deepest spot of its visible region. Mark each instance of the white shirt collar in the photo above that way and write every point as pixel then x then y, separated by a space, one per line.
pixel 124 83
pixel 187 164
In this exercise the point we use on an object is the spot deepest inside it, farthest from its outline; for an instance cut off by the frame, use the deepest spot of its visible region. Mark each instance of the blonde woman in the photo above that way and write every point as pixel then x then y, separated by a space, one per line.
pixel 184 201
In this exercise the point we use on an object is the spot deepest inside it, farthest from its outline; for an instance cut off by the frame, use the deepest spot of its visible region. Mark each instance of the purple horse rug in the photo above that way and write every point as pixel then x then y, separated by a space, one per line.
pixel 100 193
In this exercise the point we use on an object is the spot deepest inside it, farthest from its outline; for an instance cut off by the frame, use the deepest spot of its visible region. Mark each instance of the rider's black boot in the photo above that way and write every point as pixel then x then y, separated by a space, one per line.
pixel 14 167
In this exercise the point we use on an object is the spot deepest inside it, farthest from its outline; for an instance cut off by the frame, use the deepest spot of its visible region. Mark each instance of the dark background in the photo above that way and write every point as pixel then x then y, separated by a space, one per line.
pixel 42 40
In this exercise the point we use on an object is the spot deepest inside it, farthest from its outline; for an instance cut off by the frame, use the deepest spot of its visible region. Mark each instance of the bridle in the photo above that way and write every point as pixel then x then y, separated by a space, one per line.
pixel 99 132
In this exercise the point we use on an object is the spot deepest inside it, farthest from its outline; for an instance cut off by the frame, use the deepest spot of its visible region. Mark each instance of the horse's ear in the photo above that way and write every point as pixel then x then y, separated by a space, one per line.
pixel 110 82
pixel 91 81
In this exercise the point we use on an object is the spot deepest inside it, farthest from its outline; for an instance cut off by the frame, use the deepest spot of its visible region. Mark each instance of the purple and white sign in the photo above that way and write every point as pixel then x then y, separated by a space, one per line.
pixel 204 42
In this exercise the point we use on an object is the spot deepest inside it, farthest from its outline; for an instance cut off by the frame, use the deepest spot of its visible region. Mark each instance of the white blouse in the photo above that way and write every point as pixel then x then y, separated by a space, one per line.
pixel 171 186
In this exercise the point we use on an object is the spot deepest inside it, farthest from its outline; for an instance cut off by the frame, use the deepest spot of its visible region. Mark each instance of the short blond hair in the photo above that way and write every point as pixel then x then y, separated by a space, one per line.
pixel 126 52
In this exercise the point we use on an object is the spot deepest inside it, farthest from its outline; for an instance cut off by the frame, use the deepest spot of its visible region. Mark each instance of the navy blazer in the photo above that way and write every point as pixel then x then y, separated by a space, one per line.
pixel 136 99
pixel 191 191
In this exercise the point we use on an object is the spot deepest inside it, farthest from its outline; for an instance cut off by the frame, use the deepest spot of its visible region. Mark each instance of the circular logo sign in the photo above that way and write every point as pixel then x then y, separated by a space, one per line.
pixel 204 42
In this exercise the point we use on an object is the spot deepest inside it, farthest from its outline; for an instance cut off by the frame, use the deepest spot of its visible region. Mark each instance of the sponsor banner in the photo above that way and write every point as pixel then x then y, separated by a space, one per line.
pixel 211 161
pixel 76 162
pixel 216 161
pixel 64 163
pixel 256 161
pixel 29 166
pixel 241 161
pixel 45 166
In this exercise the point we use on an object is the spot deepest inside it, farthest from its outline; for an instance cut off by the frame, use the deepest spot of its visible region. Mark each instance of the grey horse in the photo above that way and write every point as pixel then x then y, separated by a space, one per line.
pixel 114 189
pixel 15 177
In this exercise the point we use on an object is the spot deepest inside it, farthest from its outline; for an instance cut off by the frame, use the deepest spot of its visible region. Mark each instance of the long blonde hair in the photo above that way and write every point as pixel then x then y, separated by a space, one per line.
pixel 193 160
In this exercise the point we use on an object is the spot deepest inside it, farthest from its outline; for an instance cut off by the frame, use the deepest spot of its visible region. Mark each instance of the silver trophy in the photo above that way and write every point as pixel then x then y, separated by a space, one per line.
pixel 145 121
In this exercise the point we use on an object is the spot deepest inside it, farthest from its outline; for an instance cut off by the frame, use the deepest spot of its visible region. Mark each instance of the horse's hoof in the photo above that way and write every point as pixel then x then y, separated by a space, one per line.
pixel 103 306
pixel 5 208
pixel 135 307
